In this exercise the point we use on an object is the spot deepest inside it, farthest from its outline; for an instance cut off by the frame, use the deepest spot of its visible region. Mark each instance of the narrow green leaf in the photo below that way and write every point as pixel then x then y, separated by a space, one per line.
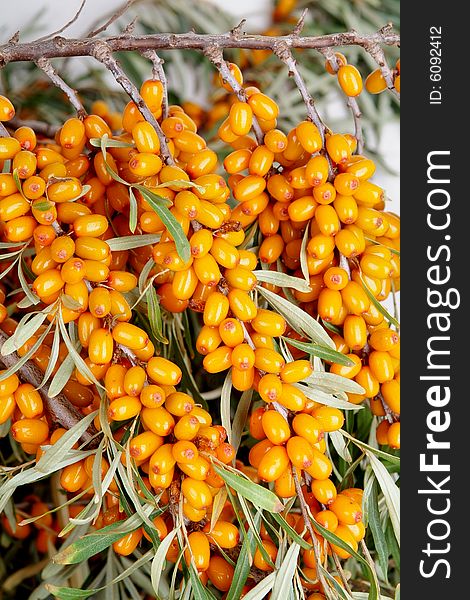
pixel 132 211
pixel 225 398
pixel 375 525
pixel 32 297
pixel 182 184
pixel 199 591
pixel 320 351
pixel 61 377
pixel 129 242
pixel 158 561
pixel 375 242
pixel 378 305
pixel 299 320
pixel 242 568
pixel 395 460
pixel 285 574
pixel 291 532
pixel 110 143
pixel 174 228
pixel 261 589
pixel 340 446
pixel 239 419
pixel 54 356
pixel 155 314
pixel 390 491
pixel 259 496
pixel 303 255
pixel 283 280
pixel 327 399
pixel 336 382
pixel 66 593
pixel 23 332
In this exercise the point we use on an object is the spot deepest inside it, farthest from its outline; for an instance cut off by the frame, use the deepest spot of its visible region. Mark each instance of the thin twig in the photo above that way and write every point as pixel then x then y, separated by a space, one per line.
pixel 159 73
pixel 369 560
pixel 340 570
pixel 308 525
pixel 103 54
pixel 66 26
pixel 40 127
pixel 329 55
pixel 114 17
pixel 215 55
pixel 61 410
pixel 284 53
pixel 45 65
pixel 300 23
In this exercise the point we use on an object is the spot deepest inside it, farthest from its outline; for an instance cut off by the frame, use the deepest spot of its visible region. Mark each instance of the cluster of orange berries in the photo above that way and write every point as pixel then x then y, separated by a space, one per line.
pixel 314 212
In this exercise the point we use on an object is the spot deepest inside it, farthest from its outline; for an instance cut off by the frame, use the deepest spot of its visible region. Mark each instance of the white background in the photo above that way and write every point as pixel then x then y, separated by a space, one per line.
pixel 50 15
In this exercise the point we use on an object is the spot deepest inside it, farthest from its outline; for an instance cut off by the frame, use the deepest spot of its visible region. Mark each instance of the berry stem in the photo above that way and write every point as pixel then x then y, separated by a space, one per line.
pixel 159 73
pixel 59 407
pixel 45 66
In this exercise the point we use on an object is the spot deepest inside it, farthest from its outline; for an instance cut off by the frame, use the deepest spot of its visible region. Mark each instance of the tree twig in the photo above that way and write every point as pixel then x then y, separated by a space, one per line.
pixel 66 26
pixel 60 47
pixel 308 525
pixel 61 410
pixel 341 573
pixel 103 54
pixel 45 65
pixel 215 55
pixel 114 17
pixel 159 73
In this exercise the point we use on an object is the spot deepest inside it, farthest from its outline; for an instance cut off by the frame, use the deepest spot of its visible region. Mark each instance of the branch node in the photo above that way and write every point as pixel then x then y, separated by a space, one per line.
pixel 15 38
pixel 238 29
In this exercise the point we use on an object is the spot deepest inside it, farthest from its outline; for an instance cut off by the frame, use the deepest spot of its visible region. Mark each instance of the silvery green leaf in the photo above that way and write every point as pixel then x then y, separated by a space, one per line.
pixel 339 444
pixel 32 297
pixel 52 358
pixel 283 582
pixel 158 561
pixel 394 460
pixel 25 330
pixel 336 382
pixel 261 589
pixel 129 242
pixel 61 377
pixel 239 419
pixel 390 491
pixel 327 399
pixel 132 211
pixel 110 143
pixel 225 397
pixel 283 280
pixel 303 255
pixel 299 320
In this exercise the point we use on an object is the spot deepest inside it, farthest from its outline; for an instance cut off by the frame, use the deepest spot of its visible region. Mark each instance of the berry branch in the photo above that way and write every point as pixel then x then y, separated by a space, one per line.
pixel 71 94
pixel 61 410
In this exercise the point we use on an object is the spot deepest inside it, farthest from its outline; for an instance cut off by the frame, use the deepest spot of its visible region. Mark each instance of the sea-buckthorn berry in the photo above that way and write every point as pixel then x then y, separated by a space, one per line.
pixel 86 324
pixel 73 477
pixel 240 118
pixel 73 270
pixel 350 80
pixel 99 302
pixel 327 518
pixel 391 394
pixel 296 371
pixel 198 469
pixel 338 148
pixel 134 381
pixel 96 126
pixel 302 209
pixel 321 466
pixel 270 388
pixel 7 407
pixel 341 61
pixel 131 336
pixel 355 332
pixel 268 222
pixel 187 427
pixel 219 360
pixel 7 185
pixel 72 133
pixel 275 140
pixel 308 427
pixel 355 298
pixel 292 398
pixel 194 515
pixel 145 138
pixel 197 493
pixel 346 509
pixel 269 323
pixel 381 366
pixel 300 452
pixel 329 304
pixel 241 305
pixel 280 189
pixel 123 408
pixel 224 534
pixel 152 91
pixel 120 309
pixel 198 551
pixel 309 136
pixel 249 187
pixel 330 419
pixel 263 107
pixel 273 463
pixel 225 253
pixel 128 543
pixel 375 82
pixel 368 381
pixel 145 164
pixel 90 225
pixel 201 242
pixel 243 357
pixel 29 401
pixel 327 221
pixel 163 371
pixel 358 530
pixel 142 446
pixel 316 171
pixel 208 340
pixel 393 435
pixel 201 163
pixel 324 193
pixel 362 168
pixel 268 360
pixel 162 460
pixel 384 340
pixel 7 110
pixel 346 536
pixel 183 287
pixel 188 141
pixel 240 278
pixel 9 147
pixel 158 420
pixel 44 211
pixel 368 194
pixel 179 404
pixel 237 161
pixel 271 249
pixel 335 278
pixel 152 396
pixel 20 229
pixel 275 427
pixel 396 83
pixel 215 309
pixel 90 248
pixel 347 243
pixel 185 452
pixel 261 161
pixel 346 208
pixel 346 184
pixel 47 283
pixel 324 491
pixel 381 433
pixel 24 163
pixel 100 346
pixel 13 206
pixel 258 451
pixel 9 385
pixel 30 431
pixel 258 559
pixel 207 270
